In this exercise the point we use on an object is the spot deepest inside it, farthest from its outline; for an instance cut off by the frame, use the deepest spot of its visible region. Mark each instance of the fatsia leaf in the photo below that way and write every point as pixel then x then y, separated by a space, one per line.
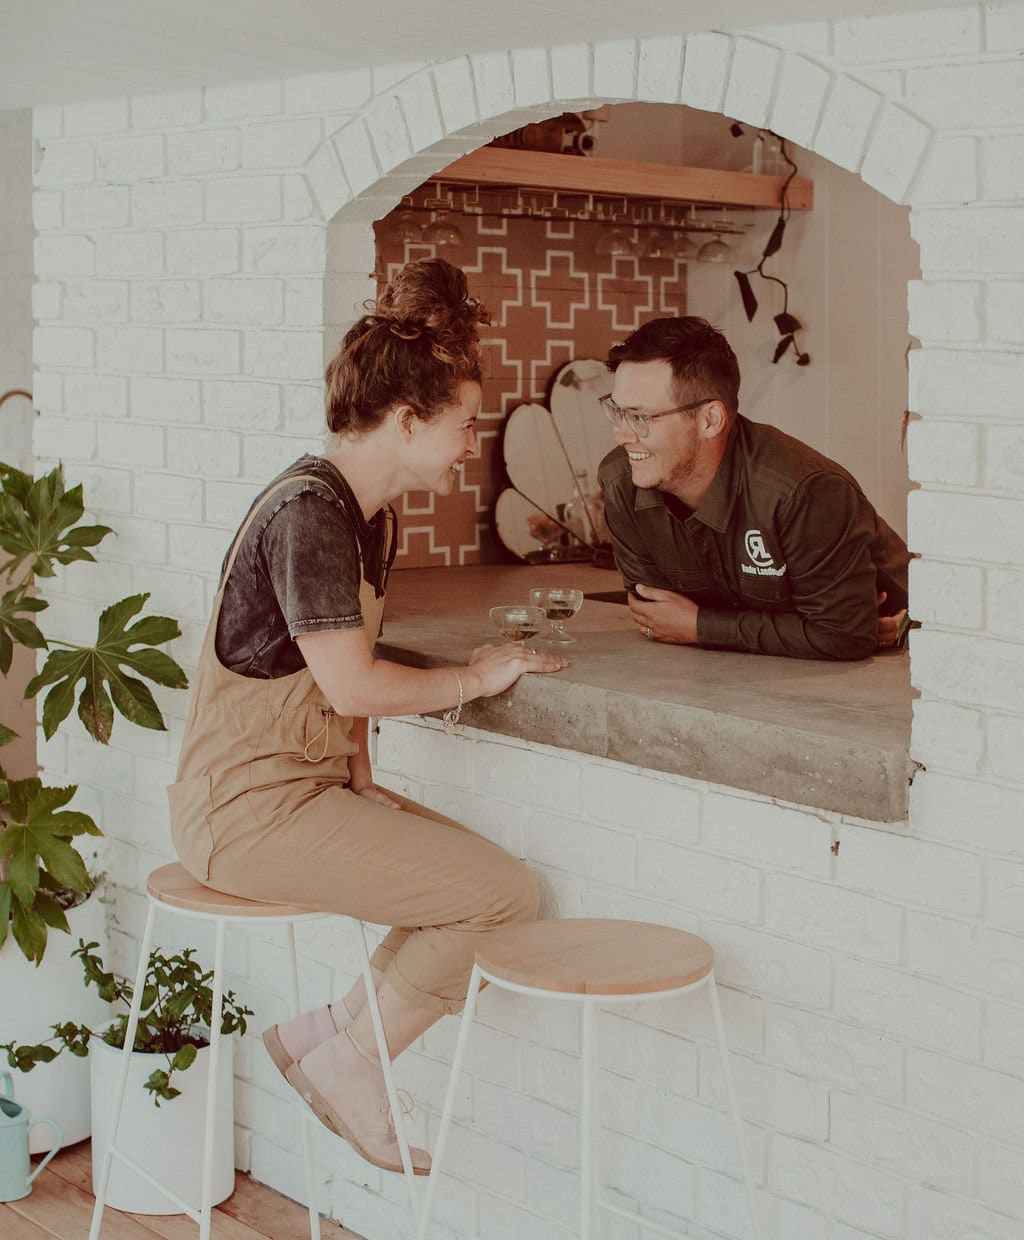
pixel 57 706
pixel 781 347
pixel 29 932
pixel 157 666
pixel 20 793
pixel 47 798
pixel 747 293
pixel 86 535
pixel 51 912
pixel 59 664
pixel 15 628
pixel 37 524
pixel 5 909
pixel 96 710
pixel 35 845
pixel 787 323
pixel 121 648
pixel 15 483
pixel 134 700
pixel 775 240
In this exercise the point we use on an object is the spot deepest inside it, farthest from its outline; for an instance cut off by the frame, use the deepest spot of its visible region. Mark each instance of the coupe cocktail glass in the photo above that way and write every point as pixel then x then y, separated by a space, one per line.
pixel 559 603
pixel 517 622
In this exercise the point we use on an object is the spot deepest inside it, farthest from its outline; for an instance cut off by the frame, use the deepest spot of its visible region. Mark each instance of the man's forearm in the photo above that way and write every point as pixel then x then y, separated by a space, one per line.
pixel 785 633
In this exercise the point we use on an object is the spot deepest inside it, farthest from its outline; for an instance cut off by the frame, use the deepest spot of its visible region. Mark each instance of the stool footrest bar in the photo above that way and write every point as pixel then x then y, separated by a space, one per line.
pixel 151 1179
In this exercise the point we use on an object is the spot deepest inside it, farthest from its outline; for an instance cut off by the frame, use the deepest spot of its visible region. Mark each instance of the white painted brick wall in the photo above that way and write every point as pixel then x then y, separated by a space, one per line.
pixel 874 997
pixel 16 237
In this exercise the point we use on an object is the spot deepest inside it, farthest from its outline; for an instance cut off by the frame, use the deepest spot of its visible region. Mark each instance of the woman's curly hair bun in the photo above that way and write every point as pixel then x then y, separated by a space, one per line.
pixel 416 344
pixel 431 296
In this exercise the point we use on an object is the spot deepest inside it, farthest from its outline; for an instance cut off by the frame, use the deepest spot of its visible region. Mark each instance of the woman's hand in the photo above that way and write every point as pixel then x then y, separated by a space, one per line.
pixel 373 793
pixel 495 668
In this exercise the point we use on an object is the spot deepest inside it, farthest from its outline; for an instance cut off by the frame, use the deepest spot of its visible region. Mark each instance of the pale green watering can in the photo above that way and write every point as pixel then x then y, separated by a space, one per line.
pixel 15 1122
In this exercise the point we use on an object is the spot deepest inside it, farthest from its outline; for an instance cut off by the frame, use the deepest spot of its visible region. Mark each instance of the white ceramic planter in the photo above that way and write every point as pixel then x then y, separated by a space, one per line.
pixel 166 1140
pixel 33 1000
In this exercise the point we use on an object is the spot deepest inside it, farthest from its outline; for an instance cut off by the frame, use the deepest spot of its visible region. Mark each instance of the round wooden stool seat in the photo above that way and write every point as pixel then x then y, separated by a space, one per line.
pixel 595 956
pixel 174 885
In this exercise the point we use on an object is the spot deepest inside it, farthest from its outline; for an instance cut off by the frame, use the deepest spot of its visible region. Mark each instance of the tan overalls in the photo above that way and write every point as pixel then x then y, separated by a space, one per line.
pixel 261 809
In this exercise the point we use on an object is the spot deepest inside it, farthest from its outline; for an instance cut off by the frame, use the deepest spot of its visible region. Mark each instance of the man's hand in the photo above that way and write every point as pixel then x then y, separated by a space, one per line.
pixel 664 616
pixel 888 626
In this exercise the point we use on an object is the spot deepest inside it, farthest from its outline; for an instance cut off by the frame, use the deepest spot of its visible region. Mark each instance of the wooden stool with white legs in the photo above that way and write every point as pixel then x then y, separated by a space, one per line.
pixel 171 889
pixel 590 962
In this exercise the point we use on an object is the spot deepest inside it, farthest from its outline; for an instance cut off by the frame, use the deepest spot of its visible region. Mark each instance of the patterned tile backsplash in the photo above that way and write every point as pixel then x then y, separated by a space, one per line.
pixel 552 299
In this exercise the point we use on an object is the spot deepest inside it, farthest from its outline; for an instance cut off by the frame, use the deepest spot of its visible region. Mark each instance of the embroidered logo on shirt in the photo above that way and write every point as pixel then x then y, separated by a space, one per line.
pixel 762 562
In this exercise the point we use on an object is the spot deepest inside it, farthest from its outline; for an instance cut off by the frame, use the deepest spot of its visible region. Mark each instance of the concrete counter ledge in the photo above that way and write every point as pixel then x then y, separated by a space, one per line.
pixel 834 736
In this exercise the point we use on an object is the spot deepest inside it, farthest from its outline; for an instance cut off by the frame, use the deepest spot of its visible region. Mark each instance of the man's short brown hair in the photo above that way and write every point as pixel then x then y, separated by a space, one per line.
pixel 702 361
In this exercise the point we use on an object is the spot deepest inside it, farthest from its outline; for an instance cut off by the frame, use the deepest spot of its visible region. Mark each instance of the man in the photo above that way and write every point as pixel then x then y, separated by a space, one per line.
pixel 729 533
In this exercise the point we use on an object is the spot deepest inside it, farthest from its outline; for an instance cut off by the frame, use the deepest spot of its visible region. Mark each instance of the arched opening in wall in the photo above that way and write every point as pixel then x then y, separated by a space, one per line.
pixel 833 735
pixel 558 291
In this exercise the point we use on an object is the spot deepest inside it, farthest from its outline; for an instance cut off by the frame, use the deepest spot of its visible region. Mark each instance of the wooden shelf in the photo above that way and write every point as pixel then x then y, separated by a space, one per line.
pixel 493 165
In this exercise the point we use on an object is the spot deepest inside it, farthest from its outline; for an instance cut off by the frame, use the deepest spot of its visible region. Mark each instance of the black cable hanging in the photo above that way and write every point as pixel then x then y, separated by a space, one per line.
pixel 787 323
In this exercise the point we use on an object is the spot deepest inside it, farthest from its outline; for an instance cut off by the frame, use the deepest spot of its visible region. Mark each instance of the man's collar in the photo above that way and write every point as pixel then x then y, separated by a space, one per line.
pixel 716 507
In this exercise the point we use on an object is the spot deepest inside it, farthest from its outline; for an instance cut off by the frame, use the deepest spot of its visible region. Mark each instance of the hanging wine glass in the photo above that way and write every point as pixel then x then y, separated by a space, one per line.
pixel 442 231
pixel 658 244
pixel 714 251
pixel 616 241
pixel 408 226
pixel 683 246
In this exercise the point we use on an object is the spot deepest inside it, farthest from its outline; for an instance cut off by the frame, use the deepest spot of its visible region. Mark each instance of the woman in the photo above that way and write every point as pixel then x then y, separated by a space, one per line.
pixel 275 798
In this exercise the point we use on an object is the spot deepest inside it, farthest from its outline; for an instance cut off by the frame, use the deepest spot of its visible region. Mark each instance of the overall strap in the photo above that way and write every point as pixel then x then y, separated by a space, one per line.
pixel 256 510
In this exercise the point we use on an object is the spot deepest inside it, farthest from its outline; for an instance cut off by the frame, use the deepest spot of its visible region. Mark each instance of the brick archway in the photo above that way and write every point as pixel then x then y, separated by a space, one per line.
pixel 418 125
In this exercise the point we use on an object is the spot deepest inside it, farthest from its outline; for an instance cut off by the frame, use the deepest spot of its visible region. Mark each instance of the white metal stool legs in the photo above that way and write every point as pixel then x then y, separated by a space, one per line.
pixel 383 1050
pixel 204 1215
pixel 449 1101
pixel 305 1119
pixel 205 1208
pixel 587 1121
pixel 122 1085
pixel 723 1052
pixel 590 1201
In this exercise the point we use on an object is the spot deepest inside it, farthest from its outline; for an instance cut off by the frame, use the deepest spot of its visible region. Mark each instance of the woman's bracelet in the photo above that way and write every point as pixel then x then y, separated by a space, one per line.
pixel 450 718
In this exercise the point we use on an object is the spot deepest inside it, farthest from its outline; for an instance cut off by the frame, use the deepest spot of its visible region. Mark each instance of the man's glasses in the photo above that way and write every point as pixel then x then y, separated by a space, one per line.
pixel 640 423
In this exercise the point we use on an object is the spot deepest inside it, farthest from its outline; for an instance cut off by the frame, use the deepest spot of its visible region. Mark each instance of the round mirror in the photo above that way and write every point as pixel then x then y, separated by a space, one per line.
pixel 535 458
pixel 524 529
pixel 576 392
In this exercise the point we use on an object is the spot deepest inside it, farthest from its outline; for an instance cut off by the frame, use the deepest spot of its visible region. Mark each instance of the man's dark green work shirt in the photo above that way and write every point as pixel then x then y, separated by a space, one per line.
pixel 785 555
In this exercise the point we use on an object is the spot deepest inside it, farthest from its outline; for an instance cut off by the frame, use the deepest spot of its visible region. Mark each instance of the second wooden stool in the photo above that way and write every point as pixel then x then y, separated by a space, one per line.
pixel 588 961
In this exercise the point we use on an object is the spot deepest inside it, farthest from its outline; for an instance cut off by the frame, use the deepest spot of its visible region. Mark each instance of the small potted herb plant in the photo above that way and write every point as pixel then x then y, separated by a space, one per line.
pixel 170 1064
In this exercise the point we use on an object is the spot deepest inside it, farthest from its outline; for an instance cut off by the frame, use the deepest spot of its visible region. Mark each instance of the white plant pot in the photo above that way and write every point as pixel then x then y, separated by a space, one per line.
pixel 36 998
pixel 166 1140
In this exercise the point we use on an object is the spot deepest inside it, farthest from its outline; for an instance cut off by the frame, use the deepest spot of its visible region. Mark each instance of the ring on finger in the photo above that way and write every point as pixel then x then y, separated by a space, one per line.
pixel 646 633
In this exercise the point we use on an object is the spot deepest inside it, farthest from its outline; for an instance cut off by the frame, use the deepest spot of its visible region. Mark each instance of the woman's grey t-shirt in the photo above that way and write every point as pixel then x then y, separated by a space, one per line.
pixel 298 570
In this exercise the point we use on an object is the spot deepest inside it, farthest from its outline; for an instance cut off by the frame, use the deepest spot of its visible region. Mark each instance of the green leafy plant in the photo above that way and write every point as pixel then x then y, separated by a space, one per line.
pixel 176 1013
pixel 41 871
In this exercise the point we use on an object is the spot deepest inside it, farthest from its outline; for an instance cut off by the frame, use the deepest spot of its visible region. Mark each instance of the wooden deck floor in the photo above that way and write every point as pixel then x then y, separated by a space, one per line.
pixel 60 1206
